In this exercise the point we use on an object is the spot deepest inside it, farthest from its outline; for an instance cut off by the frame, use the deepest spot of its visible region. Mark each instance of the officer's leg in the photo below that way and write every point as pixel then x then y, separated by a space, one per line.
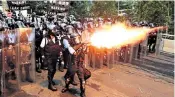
pixel 27 71
pixel 82 81
pixel 41 61
pixel 68 80
pixel 65 58
pixel 50 76
pixel 12 67
pixel 67 83
pixel 6 80
pixel 70 73
pixel 37 66
pixel 72 68
pixel 13 75
pixel 153 47
pixel 54 61
pixel 61 65
pixel 21 73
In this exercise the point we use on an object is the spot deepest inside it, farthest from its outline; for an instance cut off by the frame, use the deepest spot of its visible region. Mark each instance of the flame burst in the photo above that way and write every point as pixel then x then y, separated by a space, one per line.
pixel 119 35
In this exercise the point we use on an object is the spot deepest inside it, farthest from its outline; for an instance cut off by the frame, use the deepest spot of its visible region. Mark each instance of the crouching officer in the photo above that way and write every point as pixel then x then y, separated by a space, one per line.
pixel 76 67
pixel 52 52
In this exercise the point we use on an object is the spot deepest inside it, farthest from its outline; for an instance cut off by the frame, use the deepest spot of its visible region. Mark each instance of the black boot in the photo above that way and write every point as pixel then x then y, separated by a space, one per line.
pixel 82 94
pixel 50 86
pixel 82 88
pixel 39 71
pixel 66 88
pixel 61 69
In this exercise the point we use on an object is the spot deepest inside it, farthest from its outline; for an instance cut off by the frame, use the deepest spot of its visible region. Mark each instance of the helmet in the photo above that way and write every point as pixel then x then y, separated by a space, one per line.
pixel 75 37
pixel 90 19
pixel 64 20
pixel 100 19
pixel 71 18
pixel 151 24
pixel 109 19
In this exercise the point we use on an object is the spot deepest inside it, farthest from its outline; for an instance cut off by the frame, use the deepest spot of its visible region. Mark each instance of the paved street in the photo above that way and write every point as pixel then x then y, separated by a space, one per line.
pixel 122 81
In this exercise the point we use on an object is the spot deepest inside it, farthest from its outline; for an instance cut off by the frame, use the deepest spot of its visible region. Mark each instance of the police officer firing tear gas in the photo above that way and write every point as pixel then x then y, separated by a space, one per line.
pixel 76 58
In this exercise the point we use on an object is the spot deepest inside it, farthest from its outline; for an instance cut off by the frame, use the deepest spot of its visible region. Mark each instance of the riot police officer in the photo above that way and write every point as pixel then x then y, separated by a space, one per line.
pixel 75 66
pixel 52 51
pixel 100 22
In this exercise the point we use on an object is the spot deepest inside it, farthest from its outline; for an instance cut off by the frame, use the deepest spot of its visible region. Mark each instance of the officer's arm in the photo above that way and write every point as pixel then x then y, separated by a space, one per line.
pixel 42 45
pixel 67 45
pixel 71 50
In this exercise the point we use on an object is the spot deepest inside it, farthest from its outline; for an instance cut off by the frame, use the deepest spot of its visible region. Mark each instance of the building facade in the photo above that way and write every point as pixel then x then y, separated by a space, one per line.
pixel 58 8
pixel 19 7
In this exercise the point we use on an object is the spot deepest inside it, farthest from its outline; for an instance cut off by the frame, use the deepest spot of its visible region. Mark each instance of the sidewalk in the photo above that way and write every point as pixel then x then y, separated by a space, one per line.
pixel 121 81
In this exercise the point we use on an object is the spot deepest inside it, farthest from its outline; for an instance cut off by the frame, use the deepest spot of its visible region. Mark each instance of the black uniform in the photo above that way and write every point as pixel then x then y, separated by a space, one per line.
pixel 52 52
pixel 38 39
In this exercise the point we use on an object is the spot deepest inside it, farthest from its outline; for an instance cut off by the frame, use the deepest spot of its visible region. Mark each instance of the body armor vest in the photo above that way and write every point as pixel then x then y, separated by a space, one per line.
pixel 52 49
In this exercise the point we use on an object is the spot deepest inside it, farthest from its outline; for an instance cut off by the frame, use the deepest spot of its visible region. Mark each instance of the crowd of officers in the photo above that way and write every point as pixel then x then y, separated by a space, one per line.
pixel 59 41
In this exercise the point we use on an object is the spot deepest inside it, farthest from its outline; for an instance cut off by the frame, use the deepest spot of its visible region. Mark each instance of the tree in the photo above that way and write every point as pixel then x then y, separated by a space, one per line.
pixel 37 6
pixel 80 9
pixel 152 11
pixel 157 12
pixel 104 9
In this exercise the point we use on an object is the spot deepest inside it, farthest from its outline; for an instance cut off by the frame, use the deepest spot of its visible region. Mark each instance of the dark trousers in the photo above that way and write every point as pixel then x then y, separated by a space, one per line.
pixel 66 57
pixel 39 60
pixel 51 69
pixel 27 72
pixel 73 69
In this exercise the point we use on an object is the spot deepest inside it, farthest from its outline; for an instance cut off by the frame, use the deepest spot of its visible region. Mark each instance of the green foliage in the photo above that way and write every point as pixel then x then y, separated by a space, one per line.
pixel 80 9
pixel 152 11
pixel 157 12
pixel 104 9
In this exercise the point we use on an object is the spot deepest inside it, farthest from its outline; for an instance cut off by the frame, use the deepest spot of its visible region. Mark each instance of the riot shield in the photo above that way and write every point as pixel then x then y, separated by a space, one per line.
pixel 1 79
pixel 26 55
pixel 110 58
pixel 10 82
